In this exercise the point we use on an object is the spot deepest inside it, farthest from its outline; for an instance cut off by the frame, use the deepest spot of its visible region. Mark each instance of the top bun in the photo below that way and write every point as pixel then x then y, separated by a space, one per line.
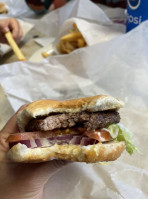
pixel 3 8
pixel 45 107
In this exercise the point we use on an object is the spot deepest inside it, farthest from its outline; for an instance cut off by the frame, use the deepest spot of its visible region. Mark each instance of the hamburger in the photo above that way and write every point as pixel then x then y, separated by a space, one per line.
pixel 3 8
pixel 81 130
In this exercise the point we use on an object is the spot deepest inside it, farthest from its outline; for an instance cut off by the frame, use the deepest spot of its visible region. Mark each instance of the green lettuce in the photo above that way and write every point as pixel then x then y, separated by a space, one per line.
pixel 120 133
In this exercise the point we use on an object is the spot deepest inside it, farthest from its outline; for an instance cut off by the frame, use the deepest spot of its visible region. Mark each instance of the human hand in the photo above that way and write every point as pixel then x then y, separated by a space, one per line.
pixel 13 26
pixel 18 180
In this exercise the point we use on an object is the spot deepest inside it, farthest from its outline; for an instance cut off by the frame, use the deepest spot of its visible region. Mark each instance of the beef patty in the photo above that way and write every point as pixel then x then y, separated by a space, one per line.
pixel 89 120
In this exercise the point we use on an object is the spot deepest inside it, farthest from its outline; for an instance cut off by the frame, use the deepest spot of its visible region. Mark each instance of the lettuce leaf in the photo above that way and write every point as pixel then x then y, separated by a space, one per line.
pixel 120 133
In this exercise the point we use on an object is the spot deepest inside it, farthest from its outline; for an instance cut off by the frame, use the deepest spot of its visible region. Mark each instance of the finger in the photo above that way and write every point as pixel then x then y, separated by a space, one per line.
pixel 3 29
pixel 20 35
pixel 14 28
pixel 41 172
pixel 4 26
pixel 3 39
pixel 11 126
pixel 34 174
pixel 50 168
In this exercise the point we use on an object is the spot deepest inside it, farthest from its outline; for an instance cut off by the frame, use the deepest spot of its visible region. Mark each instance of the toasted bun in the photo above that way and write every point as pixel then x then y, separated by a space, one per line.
pixel 3 8
pixel 90 154
pixel 45 107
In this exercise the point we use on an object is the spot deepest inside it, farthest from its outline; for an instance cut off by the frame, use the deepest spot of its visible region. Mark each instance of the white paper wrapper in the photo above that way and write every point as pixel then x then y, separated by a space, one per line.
pixel 51 23
pixel 95 26
pixel 42 83
pixel 26 27
pixel 117 67
pixel 84 9
pixel 93 33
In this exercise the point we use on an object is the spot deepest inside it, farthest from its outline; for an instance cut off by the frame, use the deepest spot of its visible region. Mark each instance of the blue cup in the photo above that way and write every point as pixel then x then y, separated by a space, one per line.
pixel 137 11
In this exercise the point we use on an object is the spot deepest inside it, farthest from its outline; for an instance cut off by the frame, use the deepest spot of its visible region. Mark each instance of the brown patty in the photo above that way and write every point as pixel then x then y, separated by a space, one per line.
pixel 88 120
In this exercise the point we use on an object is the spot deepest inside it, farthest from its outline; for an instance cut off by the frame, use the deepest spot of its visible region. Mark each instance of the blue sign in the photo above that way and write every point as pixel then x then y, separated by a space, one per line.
pixel 134 3
pixel 137 11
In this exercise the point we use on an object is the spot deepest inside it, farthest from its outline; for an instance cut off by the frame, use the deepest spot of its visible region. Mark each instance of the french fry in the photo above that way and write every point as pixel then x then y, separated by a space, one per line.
pixel 71 41
pixel 81 43
pixel 65 48
pixel 74 25
pixel 61 47
pixel 69 46
pixel 45 54
pixel 71 36
pixel 75 29
pixel 14 46
pixel 70 31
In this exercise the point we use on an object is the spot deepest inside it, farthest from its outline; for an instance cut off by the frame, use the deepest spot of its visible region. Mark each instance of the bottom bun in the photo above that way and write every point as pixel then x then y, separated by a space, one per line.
pixel 77 153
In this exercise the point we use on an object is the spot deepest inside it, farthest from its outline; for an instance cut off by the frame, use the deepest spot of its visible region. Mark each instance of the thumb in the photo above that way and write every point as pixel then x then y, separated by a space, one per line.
pixel 48 169
pixel 55 166
pixel 5 29
pixel 11 125
pixel 37 173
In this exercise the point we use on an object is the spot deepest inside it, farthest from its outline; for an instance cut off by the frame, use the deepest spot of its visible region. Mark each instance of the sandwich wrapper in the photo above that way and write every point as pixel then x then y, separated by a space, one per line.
pixel 93 33
pixel 117 67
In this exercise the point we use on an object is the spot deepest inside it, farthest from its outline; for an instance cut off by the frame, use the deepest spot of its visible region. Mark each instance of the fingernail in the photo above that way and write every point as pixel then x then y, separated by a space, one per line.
pixel 6 29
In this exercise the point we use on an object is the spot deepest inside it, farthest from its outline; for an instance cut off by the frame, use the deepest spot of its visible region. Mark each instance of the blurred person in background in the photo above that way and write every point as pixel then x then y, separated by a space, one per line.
pixel 41 6
pixel 11 25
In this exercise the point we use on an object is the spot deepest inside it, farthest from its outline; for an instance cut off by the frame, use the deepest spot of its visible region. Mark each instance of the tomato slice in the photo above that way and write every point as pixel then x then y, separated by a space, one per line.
pixel 24 136
pixel 37 135
pixel 100 134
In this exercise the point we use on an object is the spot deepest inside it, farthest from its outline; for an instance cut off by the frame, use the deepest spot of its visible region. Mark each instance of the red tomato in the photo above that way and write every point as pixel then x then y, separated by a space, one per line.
pixel 26 136
pixel 37 135
pixel 99 134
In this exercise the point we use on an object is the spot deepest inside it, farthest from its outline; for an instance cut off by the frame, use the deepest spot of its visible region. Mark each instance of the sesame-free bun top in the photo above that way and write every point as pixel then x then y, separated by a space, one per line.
pixel 46 107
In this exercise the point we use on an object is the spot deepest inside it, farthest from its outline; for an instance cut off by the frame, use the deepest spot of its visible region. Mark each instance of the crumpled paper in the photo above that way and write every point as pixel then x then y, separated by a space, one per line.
pixel 93 33
pixel 94 25
pixel 51 23
pixel 117 67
